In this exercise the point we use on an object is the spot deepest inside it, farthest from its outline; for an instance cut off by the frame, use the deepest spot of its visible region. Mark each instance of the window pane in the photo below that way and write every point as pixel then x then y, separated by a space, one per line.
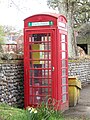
pixel 63 63
pixel 63 72
pixel 63 55
pixel 63 38
pixel 63 89
pixel 63 46
pixel 64 98
pixel 64 81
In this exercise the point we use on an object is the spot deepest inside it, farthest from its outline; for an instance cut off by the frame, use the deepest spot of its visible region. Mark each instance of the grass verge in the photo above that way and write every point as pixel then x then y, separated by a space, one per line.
pixel 42 113
pixel 10 113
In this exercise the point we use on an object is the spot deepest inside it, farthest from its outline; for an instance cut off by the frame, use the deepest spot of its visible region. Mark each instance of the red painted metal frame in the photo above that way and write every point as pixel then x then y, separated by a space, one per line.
pixel 27 94
pixel 59 72
pixel 38 87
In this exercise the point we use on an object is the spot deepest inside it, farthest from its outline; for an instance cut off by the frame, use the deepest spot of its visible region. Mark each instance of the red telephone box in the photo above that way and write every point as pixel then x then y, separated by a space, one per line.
pixel 45 60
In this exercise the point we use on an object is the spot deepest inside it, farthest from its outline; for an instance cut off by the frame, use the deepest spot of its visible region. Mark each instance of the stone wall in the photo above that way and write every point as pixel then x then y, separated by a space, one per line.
pixel 11 82
pixel 12 77
pixel 81 69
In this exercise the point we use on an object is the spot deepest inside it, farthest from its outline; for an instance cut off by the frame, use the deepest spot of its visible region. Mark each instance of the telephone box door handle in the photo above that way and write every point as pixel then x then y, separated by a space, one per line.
pixel 53 68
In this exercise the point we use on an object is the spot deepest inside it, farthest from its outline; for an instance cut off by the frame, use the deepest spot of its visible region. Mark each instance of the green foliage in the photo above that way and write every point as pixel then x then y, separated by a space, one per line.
pixel 11 113
pixel 84 30
pixel 1 34
pixel 53 3
pixel 43 112
pixel 82 12
pixel 6 31
pixel 10 29
pixel 77 13
pixel 80 9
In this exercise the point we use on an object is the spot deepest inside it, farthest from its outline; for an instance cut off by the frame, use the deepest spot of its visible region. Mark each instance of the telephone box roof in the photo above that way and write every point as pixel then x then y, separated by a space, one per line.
pixel 47 14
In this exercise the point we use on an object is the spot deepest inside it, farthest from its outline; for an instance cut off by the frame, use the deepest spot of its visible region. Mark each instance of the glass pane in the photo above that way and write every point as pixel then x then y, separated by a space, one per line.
pixel 40 67
pixel 63 72
pixel 44 82
pixel 37 99
pixel 31 90
pixel 63 63
pixel 37 54
pixel 64 81
pixel 63 46
pixel 63 55
pixel 45 91
pixel 31 100
pixel 62 38
pixel 30 39
pixel 63 89
pixel 40 94
pixel 64 98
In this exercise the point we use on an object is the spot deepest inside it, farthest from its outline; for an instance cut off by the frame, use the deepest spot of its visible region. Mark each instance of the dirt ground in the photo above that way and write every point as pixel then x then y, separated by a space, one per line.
pixel 82 110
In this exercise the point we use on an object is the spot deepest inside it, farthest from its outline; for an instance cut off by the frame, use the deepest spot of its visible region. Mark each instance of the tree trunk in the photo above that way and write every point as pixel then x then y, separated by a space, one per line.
pixel 71 39
pixel 65 9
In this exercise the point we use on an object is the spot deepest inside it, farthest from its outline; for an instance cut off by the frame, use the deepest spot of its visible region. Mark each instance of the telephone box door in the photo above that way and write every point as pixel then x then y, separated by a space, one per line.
pixel 39 70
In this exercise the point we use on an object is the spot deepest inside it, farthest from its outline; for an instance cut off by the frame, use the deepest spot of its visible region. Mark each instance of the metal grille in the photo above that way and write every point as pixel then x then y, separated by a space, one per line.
pixel 40 67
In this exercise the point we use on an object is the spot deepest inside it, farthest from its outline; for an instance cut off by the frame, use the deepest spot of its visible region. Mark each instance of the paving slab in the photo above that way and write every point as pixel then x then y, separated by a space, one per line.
pixel 82 110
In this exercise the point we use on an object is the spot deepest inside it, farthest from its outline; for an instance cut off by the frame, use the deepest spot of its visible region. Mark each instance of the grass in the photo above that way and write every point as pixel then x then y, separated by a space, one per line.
pixel 43 113
pixel 10 113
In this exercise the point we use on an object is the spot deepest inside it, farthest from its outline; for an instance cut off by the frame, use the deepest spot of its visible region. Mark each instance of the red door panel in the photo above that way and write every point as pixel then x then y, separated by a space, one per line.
pixel 39 67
